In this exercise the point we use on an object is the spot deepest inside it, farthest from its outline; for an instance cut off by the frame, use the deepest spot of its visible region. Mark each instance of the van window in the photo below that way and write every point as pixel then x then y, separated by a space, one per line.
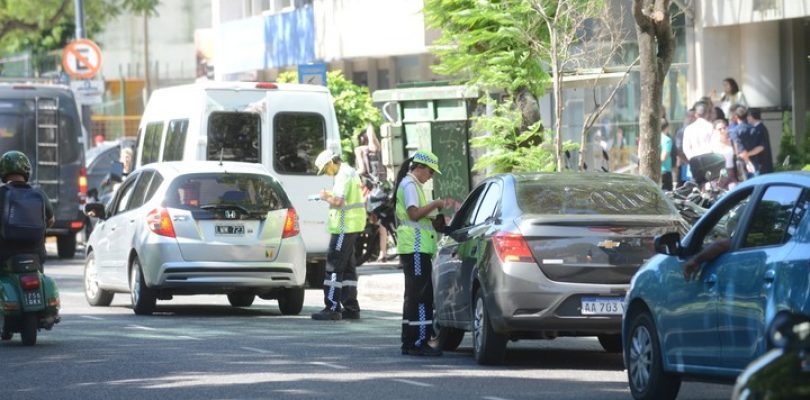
pixel 175 140
pixel 18 131
pixel 297 140
pixel 151 142
pixel 234 136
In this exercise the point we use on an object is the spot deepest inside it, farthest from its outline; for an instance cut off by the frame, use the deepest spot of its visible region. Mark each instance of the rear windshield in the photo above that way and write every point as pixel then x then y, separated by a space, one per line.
pixel 592 197
pixel 18 131
pixel 298 138
pixel 251 192
pixel 234 136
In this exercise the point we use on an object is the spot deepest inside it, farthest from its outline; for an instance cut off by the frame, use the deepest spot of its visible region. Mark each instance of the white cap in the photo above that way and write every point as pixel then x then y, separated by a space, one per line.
pixel 323 159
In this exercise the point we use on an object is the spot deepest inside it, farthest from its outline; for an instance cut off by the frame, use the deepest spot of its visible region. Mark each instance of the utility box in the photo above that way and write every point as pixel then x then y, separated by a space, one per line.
pixel 434 118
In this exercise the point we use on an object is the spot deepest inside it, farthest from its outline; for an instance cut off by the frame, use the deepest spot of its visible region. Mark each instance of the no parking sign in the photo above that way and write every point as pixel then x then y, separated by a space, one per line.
pixel 81 59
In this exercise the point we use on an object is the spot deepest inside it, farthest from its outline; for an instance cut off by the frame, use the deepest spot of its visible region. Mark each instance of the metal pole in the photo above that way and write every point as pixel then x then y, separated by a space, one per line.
pixel 79 4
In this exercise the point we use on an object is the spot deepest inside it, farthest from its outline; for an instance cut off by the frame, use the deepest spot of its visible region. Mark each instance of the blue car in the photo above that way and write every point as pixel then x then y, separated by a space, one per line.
pixel 714 325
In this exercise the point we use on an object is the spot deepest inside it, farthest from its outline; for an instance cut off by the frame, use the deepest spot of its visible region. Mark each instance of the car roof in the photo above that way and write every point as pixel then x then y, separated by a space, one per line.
pixel 225 85
pixel 576 177
pixel 176 168
pixel 796 177
pixel 27 90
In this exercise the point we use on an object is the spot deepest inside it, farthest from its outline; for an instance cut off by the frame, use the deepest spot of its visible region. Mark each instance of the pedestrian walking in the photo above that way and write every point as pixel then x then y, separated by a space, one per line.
pixel 756 144
pixel 697 136
pixel 416 245
pixel 347 218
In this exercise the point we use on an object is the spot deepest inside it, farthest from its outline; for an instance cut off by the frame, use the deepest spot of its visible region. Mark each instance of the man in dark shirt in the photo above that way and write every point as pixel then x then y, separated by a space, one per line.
pixel 15 170
pixel 755 145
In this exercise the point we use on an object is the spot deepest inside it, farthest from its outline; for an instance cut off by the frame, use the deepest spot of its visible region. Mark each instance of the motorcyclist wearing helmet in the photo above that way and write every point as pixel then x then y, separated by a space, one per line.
pixel 15 169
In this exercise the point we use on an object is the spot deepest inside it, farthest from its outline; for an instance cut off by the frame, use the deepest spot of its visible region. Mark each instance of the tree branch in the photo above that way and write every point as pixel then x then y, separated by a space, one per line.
pixel 17 24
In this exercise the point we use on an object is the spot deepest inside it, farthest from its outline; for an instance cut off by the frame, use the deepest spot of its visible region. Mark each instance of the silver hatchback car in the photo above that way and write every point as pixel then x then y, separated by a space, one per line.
pixel 196 228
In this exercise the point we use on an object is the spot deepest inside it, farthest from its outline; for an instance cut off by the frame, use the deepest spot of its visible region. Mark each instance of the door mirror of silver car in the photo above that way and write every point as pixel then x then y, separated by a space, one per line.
pixel 95 210
pixel 790 331
pixel 669 244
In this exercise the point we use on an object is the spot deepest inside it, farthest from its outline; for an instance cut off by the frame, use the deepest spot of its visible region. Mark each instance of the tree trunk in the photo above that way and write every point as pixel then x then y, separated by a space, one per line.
pixel 656 46
pixel 556 77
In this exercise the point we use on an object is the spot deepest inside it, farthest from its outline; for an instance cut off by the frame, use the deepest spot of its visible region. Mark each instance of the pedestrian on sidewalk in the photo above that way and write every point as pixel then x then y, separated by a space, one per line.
pixel 347 218
pixel 416 245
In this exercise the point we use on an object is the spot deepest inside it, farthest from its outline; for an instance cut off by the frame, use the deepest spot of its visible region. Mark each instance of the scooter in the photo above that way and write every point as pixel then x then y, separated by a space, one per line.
pixel 29 300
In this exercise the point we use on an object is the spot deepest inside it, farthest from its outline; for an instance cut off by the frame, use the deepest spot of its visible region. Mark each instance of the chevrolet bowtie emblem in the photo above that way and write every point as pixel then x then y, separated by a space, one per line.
pixel 608 244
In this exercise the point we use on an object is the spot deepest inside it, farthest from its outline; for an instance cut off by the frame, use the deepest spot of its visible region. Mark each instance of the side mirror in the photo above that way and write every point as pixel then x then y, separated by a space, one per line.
pixel 95 210
pixel 790 331
pixel 668 243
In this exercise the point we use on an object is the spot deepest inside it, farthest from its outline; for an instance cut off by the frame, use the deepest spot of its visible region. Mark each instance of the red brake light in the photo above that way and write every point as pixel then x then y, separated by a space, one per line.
pixel 512 247
pixel 160 222
pixel 266 85
pixel 290 224
pixel 76 224
pixel 82 185
pixel 29 282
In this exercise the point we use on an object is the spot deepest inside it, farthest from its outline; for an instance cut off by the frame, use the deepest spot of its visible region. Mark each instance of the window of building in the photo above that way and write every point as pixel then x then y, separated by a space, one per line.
pixel 175 140
pixel 151 142
pixel 234 136
pixel 297 140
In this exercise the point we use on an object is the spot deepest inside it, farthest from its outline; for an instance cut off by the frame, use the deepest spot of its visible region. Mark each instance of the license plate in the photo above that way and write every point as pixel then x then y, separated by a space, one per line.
pixel 602 306
pixel 230 230
pixel 33 298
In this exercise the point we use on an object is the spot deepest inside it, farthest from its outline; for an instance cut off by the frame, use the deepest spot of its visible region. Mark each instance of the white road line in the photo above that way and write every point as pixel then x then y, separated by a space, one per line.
pixel 92 317
pixel 415 383
pixel 188 337
pixel 253 349
pixel 330 365
pixel 143 328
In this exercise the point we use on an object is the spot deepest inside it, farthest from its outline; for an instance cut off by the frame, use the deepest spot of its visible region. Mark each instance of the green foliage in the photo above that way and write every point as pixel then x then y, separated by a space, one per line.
pixel 806 168
pixel 509 148
pixel 353 107
pixel 788 148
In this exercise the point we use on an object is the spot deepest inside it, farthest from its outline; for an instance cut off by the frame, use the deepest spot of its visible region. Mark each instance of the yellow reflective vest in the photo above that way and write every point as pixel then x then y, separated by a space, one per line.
pixel 413 236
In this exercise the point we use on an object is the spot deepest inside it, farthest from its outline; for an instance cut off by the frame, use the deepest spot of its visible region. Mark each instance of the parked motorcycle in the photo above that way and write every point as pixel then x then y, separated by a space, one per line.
pixel 695 197
pixel 29 300
pixel 379 212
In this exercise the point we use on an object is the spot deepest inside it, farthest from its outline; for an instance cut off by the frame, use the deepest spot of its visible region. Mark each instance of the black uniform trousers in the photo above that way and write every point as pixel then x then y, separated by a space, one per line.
pixel 417 309
pixel 340 282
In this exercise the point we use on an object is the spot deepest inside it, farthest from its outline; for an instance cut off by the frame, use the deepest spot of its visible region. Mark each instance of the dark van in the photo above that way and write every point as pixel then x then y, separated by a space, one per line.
pixel 43 122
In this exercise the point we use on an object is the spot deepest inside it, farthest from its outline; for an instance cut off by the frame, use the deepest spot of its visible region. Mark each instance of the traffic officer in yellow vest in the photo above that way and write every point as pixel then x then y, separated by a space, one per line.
pixel 347 218
pixel 416 245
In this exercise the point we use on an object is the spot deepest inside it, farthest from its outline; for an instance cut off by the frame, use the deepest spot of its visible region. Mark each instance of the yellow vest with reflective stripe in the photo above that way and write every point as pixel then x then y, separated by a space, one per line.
pixel 350 218
pixel 413 236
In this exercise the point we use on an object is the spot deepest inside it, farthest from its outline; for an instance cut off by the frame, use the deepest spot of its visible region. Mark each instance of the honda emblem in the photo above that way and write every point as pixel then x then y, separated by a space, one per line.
pixel 230 214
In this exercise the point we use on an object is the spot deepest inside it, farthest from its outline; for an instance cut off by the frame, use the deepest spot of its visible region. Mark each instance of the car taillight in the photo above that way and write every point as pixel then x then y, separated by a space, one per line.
pixel 160 222
pixel 266 85
pixel 290 224
pixel 512 247
pixel 29 282
pixel 82 185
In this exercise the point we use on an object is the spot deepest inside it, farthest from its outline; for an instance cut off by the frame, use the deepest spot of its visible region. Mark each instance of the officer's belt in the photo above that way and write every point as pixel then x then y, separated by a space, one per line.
pixel 417 225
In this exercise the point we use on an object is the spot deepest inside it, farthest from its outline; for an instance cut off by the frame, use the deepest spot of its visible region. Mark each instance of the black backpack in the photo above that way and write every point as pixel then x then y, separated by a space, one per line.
pixel 23 215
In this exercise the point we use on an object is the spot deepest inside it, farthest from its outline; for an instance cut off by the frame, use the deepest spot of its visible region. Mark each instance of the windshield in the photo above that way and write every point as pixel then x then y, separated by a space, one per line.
pixel 592 197
pixel 249 193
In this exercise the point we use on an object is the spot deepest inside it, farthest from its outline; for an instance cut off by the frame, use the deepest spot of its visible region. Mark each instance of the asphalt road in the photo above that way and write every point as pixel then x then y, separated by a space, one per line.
pixel 199 347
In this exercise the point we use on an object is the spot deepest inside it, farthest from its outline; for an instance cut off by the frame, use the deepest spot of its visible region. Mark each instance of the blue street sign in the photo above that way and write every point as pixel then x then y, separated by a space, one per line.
pixel 313 74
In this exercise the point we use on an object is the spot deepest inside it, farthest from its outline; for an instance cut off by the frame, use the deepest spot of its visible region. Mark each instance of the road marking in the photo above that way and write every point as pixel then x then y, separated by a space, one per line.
pixel 92 317
pixel 257 350
pixel 415 383
pixel 141 327
pixel 330 365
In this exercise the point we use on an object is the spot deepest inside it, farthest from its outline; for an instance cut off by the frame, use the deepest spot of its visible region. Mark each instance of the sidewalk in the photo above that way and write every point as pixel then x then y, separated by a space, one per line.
pixel 381 285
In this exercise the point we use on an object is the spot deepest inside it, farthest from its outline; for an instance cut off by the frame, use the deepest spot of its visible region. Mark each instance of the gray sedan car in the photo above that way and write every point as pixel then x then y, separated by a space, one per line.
pixel 537 256
pixel 196 228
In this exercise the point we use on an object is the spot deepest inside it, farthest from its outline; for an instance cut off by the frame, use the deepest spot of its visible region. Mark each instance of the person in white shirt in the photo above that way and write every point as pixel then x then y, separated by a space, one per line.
pixel 697 136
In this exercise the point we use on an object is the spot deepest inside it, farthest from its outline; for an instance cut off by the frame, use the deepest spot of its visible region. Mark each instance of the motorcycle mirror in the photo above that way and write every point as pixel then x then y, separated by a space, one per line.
pixel 789 330
pixel 668 244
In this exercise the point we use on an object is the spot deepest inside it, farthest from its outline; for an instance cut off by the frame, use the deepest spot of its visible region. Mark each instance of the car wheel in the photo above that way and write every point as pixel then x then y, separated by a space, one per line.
pixel 611 343
pixel 143 299
pixel 315 274
pixel 489 347
pixel 66 245
pixel 449 338
pixel 291 301
pixel 95 295
pixel 644 364
pixel 241 299
pixel 5 329
pixel 29 328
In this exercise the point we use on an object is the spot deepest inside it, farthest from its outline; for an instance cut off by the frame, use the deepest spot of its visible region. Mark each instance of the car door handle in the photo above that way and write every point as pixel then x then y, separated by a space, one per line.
pixel 711 279
pixel 769 277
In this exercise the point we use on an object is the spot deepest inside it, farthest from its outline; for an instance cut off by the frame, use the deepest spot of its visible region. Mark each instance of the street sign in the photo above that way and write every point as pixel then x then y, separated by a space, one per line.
pixel 81 59
pixel 313 74
pixel 88 92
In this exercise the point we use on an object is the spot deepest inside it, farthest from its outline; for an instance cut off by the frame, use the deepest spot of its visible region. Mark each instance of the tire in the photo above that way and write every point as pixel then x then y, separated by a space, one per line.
pixel 449 338
pixel 315 274
pixel 611 343
pixel 291 301
pixel 5 329
pixel 66 245
pixel 143 298
pixel 95 295
pixel 29 326
pixel 642 355
pixel 241 299
pixel 489 347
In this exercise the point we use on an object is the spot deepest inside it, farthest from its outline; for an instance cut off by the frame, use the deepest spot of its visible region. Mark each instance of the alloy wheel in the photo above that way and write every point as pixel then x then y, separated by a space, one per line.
pixel 135 281
pixel 478 324
pixel 641 356
pixel 91 278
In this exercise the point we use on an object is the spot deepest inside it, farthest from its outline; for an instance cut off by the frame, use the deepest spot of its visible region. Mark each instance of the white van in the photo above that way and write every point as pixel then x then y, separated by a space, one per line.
pixel 283 126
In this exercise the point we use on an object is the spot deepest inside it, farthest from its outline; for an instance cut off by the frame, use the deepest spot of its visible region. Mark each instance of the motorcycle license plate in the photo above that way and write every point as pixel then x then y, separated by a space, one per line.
pixel 602 306
pixel 230 230
pixel 33 298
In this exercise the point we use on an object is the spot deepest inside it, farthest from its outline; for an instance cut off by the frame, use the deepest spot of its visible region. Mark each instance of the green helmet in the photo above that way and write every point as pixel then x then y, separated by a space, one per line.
pixel 14 162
